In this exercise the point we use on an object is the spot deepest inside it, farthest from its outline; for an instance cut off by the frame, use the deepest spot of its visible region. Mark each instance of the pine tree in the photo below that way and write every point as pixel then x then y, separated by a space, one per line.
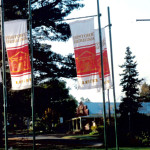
pixel 47 25
pixel 46 16
pixel 129 83
pixel 47 64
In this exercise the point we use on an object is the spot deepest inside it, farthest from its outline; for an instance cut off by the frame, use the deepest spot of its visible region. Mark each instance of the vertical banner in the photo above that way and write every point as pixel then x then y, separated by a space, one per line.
pixel 18 53
pixel 107 78
pixel 85 53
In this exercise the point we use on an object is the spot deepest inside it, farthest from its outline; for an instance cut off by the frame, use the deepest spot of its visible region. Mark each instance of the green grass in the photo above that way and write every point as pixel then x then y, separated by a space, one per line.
pixel 132 148
pixel 122 148
pixel 82 137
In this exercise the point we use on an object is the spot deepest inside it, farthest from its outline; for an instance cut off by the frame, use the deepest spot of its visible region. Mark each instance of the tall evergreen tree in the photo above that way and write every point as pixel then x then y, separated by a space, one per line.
pixel 47 64
pixel 129 83
pixel 45 16
pixel 47 25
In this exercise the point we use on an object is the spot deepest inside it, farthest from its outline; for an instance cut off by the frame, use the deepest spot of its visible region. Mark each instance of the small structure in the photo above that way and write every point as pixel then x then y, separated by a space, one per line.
pixel 90 112
pixel 82 110
pixel 87 114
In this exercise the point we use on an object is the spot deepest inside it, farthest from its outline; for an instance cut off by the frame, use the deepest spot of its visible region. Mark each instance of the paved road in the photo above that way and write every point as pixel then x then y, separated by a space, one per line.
pixel 39 137
pixel 50 139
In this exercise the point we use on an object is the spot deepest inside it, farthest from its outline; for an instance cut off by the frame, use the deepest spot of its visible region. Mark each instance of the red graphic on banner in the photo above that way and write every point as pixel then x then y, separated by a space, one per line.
pixel 19 61
pixel 105 64
pixel 86 60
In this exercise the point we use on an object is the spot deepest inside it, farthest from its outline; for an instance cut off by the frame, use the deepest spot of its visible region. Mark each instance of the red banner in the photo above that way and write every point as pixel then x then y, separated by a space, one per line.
pixel 85 53
pixel 19 61
pixel 105 64
pixel 18 53
pixel 86 60
pixel 107 79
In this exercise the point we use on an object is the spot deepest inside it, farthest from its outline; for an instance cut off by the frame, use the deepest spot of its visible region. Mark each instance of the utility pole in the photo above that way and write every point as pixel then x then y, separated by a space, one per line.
pixel 142 19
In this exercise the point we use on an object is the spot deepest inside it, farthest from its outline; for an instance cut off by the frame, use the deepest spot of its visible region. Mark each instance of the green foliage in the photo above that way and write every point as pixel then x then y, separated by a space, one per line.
pixel 48 66
pixel 129 83
pixel 100 130
pixel 139 135
pixel 51 65
pixel 145 93
pixel 56 102
pixel 131 124
pixel 84 99
pixel 44 16
pixel 19 102
pixel 144 138
pixel 45 27
pixel 134 139
pixel 54 94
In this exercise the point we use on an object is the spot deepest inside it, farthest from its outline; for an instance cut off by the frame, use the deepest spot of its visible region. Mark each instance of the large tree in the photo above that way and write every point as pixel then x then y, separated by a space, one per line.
pixel 46 14
pixel 48 64
pixel 53 95
pixel 129 83
pixel 47 25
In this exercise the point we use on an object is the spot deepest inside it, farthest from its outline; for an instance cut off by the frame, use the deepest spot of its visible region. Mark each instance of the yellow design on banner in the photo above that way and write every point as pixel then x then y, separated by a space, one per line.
pixel 16 41
pixel 18 62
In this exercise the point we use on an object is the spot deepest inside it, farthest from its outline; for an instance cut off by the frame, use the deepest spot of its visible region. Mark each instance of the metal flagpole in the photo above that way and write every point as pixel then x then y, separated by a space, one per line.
pixel 74 18
pixel 112 66
pixel 142 19
pixel 102 69
pixel 4 75
pixel 32 77
pixel 109 113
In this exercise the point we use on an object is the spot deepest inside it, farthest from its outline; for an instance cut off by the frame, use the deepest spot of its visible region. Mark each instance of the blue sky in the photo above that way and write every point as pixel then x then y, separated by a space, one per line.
pixel 125 32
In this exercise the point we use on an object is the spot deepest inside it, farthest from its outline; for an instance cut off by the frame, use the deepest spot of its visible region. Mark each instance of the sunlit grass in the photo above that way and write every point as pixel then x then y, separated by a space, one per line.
pixel 121 148
pixel 82 137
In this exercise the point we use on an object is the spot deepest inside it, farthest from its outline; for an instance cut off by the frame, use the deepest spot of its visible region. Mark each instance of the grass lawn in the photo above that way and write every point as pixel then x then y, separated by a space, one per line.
pixel 82 137
pixel 79 147
pixel 122 148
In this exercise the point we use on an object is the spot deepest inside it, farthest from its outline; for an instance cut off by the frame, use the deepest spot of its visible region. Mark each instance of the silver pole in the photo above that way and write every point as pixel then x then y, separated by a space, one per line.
pixel 102 72
pixel 32 77
pixel 112 67
pixel 4 75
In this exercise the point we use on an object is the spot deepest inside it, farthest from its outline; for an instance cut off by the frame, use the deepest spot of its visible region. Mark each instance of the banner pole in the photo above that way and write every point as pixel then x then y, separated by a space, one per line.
pixel 112 67
pixel 109 113
pixel 4 75
pixel 102 72
pixel 32 77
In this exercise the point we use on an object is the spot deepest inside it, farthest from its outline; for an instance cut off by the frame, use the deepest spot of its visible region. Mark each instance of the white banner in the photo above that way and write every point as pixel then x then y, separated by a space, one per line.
pixel 18 53
pixel 85 53
pixel 107 78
